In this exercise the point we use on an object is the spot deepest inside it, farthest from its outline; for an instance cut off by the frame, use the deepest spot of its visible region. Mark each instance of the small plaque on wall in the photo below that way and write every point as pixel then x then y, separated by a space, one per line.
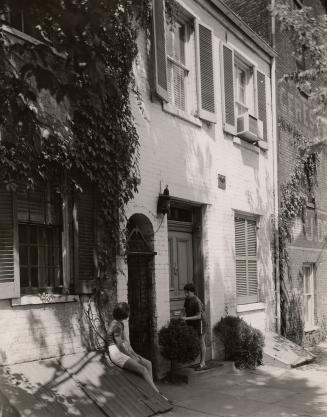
pixel 222 181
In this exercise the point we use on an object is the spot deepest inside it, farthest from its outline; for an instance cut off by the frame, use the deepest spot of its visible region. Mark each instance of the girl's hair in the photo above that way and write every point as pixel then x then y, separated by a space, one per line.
pixel 121 311
pixel 189 287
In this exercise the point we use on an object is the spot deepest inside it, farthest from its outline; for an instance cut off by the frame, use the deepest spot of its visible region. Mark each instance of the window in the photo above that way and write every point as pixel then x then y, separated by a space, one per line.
pixel 246 259
pixel 176 68
pixel 308 293
pixel 244 88
pixel 184 69
pixel 39 236
pixel 55 237
pixel 245 98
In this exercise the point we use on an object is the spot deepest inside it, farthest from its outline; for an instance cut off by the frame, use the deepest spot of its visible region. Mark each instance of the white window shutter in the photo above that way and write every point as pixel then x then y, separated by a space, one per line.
pixel 262 102
pixel 246 260
pixel 227 55
pixel 9 276
pixel 205 73
pixel 160 58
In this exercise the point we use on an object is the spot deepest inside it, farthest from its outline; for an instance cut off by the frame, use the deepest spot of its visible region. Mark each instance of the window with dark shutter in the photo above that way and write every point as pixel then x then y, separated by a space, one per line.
pixel 9 284
pixel 159 25
pixel 262 105
pixel 246 260
pixel 206 85
pixel 39 233
pixel 228 81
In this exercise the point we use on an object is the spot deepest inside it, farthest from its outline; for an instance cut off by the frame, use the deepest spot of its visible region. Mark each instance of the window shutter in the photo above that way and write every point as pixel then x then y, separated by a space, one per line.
pixel 9 277
pixel 85 229
pixel 262 104
pixel 246 260
pixel 228 89
pixel 160 56
pixel 205 76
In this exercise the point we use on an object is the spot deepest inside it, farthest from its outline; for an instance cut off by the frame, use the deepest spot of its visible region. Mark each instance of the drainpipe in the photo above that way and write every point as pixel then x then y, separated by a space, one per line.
pixel 275 177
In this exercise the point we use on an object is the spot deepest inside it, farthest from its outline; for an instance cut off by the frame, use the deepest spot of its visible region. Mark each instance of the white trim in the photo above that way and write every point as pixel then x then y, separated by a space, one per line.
pixel 37 300
pixel 242 308
pixel 171 109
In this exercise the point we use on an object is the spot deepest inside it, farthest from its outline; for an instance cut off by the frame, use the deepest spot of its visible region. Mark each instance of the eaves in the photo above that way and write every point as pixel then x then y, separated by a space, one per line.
pixel 230 20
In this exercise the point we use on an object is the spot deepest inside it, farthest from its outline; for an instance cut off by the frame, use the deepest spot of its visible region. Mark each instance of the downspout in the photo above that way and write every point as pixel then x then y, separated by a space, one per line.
pixel 275 176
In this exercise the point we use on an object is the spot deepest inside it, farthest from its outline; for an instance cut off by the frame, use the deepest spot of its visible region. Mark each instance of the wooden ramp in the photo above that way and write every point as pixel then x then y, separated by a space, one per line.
pixel 85 385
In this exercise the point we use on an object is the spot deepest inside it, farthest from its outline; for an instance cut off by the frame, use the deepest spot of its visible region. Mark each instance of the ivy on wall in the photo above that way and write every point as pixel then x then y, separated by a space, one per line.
pixel 306 34
pixel 65 111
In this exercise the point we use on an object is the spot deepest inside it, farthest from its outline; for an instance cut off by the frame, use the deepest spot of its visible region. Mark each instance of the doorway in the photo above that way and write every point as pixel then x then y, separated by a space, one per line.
pixel 140 262
pixel 185 253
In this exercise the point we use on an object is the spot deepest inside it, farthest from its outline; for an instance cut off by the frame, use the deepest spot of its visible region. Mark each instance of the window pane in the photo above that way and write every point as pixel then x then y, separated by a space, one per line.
pixel 34 277
pixel 24 277
pixel 23 255
pixel 34 255
pixel 32 234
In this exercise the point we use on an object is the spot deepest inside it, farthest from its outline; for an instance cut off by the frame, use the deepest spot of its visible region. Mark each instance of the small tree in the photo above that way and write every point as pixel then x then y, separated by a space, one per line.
pixel 243 343
pixel 179 342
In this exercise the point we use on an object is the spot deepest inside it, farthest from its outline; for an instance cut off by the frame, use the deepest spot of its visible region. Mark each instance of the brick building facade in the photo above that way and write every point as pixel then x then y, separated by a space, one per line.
pixel 304 310
pixel 206 127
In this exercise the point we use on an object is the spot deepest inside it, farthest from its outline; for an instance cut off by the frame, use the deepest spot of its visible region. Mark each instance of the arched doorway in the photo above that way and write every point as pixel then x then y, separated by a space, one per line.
pixel 140 261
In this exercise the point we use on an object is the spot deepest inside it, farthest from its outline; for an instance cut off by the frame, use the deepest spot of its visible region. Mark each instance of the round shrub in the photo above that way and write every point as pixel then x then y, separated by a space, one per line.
pixel 179 342
pixel 243 343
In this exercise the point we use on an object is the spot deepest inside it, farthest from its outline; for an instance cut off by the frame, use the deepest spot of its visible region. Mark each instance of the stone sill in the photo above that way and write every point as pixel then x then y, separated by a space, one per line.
pixel 242 308
pixel 247 145
pixel 309 329
pixel 169 108
pixel 25 300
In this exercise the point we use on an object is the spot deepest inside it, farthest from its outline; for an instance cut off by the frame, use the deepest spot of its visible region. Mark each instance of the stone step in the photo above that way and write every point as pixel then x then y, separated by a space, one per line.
pixel 189 373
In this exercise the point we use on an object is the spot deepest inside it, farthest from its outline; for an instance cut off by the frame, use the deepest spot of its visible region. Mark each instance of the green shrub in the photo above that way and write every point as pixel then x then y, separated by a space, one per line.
pixel 179 342
pixel 243 343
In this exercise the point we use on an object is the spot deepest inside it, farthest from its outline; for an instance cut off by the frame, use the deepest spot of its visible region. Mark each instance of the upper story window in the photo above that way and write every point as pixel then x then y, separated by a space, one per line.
pixel 177 70
pixel 245 98
pixel 244 88
pixel 184 64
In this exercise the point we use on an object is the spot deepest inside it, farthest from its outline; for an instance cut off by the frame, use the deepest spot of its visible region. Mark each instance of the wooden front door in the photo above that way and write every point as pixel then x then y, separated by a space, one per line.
pixel 181 268
pixel 140 302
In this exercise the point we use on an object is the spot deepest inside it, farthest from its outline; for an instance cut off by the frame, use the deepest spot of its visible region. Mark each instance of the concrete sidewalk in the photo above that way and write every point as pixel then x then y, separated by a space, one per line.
pixel 269 391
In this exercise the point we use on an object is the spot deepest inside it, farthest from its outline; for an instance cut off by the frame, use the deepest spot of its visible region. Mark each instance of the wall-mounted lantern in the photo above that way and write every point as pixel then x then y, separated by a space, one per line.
pixel 163 206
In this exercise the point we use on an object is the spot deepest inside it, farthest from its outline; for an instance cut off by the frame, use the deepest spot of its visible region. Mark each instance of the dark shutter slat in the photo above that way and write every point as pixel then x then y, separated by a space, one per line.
pixel 8 287
pixel 228 60
pixel 160 48
pixel 207 87
pixel 86 235
pixel 262 106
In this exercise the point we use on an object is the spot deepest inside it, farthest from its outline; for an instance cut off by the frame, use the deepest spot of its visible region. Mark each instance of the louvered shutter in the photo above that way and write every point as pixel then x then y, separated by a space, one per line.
pixel 205 73
pixel 246 260
pixel 9 277
pixel 262 105
pixel 228 89
pixel 86 239
pixel 160 58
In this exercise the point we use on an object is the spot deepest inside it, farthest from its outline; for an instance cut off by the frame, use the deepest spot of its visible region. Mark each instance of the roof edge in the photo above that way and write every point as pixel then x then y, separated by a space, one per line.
pixel 244 27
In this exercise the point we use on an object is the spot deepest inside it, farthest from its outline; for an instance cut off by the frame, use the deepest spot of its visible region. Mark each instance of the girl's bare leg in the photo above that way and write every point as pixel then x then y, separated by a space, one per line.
pixel 134 366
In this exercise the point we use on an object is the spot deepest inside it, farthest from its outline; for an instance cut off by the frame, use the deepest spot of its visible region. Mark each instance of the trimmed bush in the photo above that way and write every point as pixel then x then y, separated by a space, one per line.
pixel 243 343
pixel 179 342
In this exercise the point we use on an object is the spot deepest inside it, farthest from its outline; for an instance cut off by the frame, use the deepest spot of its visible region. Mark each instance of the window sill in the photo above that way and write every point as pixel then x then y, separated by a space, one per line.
pixel 36 299
pixel 242 308
pixel 308 329
pixel 244 144
pixel 263 145
pixel 169 108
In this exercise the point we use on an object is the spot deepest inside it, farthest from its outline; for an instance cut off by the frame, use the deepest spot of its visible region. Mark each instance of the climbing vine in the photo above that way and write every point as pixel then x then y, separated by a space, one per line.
pixel 65 113
pixel 306 34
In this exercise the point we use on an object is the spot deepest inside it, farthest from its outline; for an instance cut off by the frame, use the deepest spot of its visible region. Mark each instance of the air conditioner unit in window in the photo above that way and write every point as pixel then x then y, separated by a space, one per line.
pixel 249 128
